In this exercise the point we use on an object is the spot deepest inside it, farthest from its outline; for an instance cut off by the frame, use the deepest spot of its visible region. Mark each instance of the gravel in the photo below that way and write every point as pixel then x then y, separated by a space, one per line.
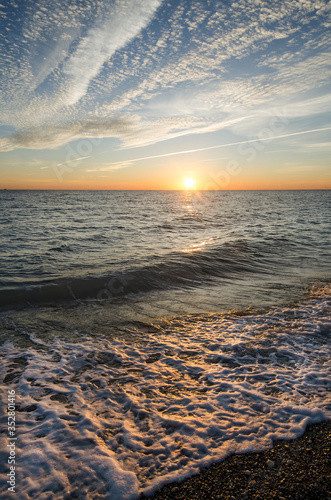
pixel 291 470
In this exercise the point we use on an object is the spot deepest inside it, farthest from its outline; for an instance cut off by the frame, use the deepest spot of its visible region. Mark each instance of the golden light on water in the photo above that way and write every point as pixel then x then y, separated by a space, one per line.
pixel 197 247
pixel 189 183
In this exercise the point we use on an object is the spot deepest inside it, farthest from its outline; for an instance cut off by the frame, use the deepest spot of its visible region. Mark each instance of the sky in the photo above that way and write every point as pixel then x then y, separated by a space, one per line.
pixel 146 94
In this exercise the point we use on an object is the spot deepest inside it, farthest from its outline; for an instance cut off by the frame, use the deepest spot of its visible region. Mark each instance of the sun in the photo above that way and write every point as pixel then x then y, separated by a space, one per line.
pixel 189 183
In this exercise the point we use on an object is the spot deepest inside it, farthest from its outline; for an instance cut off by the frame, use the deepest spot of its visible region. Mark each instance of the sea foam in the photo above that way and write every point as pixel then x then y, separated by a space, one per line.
pixel 106 418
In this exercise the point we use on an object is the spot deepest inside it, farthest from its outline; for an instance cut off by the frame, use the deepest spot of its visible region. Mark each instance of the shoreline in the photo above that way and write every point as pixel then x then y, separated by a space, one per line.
pixel 298 469
pixel 156 402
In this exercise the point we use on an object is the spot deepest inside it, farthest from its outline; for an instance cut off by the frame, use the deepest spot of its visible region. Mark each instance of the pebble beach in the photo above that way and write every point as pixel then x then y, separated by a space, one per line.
pixel 291 470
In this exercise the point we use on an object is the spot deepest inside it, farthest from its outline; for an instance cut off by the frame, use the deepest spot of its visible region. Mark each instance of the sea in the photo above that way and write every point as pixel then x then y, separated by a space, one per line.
pixel 147 334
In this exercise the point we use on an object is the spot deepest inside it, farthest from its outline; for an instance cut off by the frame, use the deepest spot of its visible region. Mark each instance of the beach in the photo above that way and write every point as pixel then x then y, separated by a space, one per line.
pixel 298 470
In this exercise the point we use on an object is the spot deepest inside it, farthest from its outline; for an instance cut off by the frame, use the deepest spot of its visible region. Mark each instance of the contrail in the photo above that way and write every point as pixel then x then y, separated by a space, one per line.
pixel 75 159
pixel 188 151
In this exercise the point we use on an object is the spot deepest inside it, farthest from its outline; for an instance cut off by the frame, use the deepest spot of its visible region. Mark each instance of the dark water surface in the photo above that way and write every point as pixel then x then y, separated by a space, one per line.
pixel 202 250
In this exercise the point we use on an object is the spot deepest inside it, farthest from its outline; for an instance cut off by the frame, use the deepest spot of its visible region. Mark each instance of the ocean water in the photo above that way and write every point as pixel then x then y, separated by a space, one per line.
pixel 148 334
pixel 195 247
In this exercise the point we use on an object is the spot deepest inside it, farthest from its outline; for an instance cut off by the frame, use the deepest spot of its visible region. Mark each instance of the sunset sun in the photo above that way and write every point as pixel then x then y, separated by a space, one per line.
pixel 189 183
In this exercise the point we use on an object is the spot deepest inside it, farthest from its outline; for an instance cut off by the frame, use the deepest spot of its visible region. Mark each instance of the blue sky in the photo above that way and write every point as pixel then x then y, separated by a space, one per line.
pixel 143 93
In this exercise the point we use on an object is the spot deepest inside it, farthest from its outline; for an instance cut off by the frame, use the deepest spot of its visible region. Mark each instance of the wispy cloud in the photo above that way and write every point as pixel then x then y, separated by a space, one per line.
pixel 297 168
pixel 109 167
pixel 56 53
pixel 116 165
pixel 318 146
pixel 145 71
pixel 123 21
pixel 52 137
pixel 152 132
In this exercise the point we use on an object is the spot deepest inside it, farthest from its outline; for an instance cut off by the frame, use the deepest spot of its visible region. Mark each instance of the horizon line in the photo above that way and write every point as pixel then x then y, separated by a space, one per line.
pixel 163 190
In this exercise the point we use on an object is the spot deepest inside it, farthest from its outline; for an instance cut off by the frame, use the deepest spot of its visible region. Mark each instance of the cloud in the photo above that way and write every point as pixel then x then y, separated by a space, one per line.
pixel 125 163
pixel 220 40
pixel 51 59
pixel 131 130
pixel 318 147
pixel 297 168
pixel 165 129
pixel 124 20
pixel 72 68
pixel 53 137
pixel 106 167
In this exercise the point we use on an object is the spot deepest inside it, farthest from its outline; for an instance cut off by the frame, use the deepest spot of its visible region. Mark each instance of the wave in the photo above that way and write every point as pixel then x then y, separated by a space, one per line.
pixel 190 268
pixel 122 411
pixel 64 247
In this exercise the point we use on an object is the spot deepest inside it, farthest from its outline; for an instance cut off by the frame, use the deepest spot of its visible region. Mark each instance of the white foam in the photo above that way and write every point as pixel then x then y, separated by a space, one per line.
pixel 114 418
